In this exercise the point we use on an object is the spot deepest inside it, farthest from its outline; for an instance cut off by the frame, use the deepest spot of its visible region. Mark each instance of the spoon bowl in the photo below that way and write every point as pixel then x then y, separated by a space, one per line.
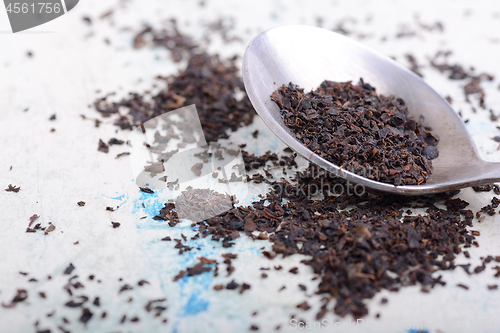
pixel 307 56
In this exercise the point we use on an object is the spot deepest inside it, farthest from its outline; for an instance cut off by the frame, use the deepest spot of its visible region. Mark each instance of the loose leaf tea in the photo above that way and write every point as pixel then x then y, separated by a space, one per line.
pixel 356 252
pixel 369 134
pixel 207 82
pixel 199 204
pixel 13 188
pixel 358 246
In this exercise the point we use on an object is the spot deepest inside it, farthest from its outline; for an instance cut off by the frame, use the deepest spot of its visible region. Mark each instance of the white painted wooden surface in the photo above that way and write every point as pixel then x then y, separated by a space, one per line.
pixel 56 170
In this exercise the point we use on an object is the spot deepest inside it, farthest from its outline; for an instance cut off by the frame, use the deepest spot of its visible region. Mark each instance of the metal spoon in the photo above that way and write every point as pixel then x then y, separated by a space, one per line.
pixel 307 55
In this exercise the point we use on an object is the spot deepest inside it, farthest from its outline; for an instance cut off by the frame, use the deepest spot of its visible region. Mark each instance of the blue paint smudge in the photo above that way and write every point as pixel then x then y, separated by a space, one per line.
pixel 423 330
pixel 193 287
pixel 153 202
pixel 479 127
pixel 197 285
pixel 119 197
pixel 195 304
pixel 194 290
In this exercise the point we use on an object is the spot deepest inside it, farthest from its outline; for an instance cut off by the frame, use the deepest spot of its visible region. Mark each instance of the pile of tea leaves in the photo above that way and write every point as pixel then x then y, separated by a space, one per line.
pixel 353 127
pixel 357 245
pixel 208 82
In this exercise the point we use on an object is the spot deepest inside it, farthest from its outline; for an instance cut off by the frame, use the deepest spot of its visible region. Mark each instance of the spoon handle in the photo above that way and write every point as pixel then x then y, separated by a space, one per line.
pixel 491 174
